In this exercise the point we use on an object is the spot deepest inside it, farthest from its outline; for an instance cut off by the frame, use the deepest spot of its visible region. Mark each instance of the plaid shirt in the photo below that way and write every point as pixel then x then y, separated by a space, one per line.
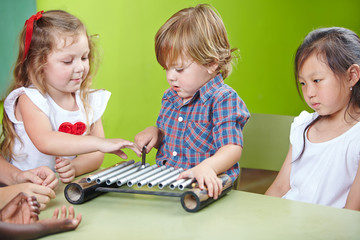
pixel 194 131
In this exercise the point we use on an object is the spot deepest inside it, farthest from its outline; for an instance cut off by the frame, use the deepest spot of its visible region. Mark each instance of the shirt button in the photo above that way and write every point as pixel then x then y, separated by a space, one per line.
pixel 180 119
pixel 174 153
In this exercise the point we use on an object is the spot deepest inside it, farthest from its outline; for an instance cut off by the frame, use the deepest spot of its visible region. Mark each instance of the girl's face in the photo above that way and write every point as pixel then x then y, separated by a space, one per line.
pixel 186 77
pixel 323 91
pixel 67 65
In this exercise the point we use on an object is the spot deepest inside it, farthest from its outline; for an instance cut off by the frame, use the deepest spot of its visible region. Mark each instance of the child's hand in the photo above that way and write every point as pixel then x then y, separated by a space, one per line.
pixel 116 144
pixel 22 209
pixel 63 222
pixel 41 175
pixel 205 175
pixel 150 137
pixel 65 169
pixel 43 194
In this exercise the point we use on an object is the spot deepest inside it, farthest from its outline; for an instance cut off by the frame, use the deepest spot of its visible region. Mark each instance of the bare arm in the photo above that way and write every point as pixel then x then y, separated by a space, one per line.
pixel 83 163
pixel 8 172
pixel 10 175
pixel 206 172
pixel 38 127
pixel 281 184
pixel 353 199
pixel 91 161
pixel 42 193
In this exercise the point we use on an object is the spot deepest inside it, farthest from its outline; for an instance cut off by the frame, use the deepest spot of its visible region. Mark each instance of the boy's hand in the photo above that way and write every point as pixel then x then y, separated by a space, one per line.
pixel 65 169
pixel 150 137
pixel 116 144
pixel 205 175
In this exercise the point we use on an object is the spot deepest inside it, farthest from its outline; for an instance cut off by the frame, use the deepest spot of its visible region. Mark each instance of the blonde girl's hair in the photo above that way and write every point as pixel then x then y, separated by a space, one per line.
pixel 51 26
pixel 198 32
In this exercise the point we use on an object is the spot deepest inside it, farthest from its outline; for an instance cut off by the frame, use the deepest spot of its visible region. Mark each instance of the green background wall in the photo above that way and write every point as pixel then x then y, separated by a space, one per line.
pixel 266 32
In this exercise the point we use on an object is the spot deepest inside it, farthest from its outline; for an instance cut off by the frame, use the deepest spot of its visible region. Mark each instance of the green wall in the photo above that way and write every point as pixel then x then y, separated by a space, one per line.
pixel 266 32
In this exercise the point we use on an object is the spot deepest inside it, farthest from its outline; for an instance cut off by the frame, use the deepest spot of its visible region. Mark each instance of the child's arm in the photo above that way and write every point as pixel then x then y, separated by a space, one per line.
pixel 206 172
pixel 42 193
pixel 150 137
pixel 10 175
pixel 353 199
pixel 281 184
pixel 38 127
pixel 84 163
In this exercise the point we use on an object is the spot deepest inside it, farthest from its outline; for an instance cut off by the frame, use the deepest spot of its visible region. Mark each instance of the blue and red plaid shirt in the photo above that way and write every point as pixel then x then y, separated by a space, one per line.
pixel 194 131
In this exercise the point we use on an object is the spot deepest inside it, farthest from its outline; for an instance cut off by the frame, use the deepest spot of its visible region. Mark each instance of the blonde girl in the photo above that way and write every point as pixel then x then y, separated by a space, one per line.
pixel 51 116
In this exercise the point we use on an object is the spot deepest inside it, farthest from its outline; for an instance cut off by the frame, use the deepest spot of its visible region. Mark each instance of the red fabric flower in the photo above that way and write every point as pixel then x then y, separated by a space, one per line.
pixel 77 129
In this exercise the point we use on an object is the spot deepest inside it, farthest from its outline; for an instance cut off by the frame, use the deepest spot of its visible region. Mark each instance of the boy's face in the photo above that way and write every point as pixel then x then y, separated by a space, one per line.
pixel 186 76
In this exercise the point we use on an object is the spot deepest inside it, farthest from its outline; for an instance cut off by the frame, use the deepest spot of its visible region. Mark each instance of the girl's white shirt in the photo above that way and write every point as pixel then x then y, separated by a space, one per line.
pixel 326 170
pixel 26 156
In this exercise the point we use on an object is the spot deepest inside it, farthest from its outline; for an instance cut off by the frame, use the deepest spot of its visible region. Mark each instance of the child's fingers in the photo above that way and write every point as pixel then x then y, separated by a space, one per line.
pixel 219 183
pixel 43 200
pixel 132 146
pixel 210 188
pixel 31 177
pixel 34 205
pixel 18 199
pixel 51 183
pixel 214 186
pixel 56 213
pixel 42 191
pixel 79 217
pixel 63 212
pixel 201 182
pixel 67 180
pixel 121 154
pixel 42 206
pixel 65 164
pixel 71 212
pixel 136 150
pixel 66 174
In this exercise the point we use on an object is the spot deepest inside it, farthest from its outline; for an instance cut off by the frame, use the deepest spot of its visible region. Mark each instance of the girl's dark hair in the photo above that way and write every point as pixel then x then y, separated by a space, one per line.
pixel 340 48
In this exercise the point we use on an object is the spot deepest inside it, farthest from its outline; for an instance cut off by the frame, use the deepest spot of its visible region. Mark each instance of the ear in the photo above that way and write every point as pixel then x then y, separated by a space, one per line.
pixel 212 67
pixel 354 74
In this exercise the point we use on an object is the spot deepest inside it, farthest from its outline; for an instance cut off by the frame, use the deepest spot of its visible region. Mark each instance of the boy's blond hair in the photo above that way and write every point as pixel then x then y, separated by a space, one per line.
pixel 197 32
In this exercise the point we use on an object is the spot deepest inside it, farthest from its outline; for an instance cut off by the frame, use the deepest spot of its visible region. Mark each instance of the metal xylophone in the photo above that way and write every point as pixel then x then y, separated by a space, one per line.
pixel 129 174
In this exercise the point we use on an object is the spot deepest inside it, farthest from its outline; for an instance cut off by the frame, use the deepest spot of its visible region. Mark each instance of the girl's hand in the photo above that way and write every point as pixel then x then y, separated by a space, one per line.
pixel 205 175
pixel 65 169
pixel 150 137
pixel 116 144
pixel 22 209
pixel 41 175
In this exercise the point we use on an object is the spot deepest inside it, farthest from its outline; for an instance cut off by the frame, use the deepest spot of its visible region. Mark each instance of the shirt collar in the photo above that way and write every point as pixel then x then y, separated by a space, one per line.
pixel 204 92
pixel 209 87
